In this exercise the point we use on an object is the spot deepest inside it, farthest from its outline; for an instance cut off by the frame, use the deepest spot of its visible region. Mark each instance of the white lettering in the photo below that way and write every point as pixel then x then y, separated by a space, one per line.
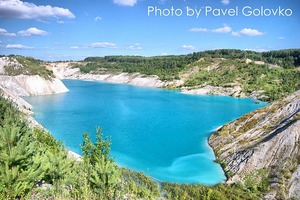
pixel 266 12
pixel 166 12
pixel 192 12
pixel 217 12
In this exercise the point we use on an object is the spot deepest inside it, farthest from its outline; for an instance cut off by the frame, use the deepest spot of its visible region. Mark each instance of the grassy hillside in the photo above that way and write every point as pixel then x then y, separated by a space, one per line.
pixel 275 82
pixel 275 74
pixel 18 65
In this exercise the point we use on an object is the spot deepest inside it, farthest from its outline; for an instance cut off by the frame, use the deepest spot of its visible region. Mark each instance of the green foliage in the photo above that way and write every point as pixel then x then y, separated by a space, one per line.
pixel 231 70
pixel 276 83
pixel 217 192
pixel 34 165
pixel 101 147
pixel 166 67
pixel 30 66
pixel 257 181
pixel 20 165
pixel 139 185
pixel 101 173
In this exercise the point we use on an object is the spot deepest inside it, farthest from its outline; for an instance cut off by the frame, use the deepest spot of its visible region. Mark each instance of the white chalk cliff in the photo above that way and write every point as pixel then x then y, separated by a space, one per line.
pixel 267 139
pixel 64 70
pixel 27 85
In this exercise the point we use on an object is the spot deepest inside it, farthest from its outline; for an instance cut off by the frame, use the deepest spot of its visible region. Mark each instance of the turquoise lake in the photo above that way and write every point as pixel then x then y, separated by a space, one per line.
pixel 162 133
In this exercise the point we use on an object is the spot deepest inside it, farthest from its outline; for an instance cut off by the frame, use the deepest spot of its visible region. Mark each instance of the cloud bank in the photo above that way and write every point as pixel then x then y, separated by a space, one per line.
pixel 32 31
pixel 17 46
pixel 6 33
pixel 24 10
pixel 103 45
pixel 228 29
pixel 247 32
pixel 125 2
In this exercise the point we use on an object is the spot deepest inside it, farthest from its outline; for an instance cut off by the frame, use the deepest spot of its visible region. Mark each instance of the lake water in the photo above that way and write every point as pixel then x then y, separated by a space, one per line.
pixel 162 133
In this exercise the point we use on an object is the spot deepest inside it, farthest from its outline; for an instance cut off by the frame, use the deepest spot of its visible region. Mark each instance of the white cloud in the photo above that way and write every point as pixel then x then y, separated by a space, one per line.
pixel 26 10
pixel 257 50
pixel 136 46
pixel 225 2
pixel 74 47
pixel 98 18
pixel 188 47
pixel 247 32
pixel 236 33
pixel 228 29
pixel 163 1
pixel 281 38
pixel 5 33
pixel 32 31
pixel 125 2
pixel 103 45
pixel 198 30
pixel 251 32
pixel 225 29
pixel 17 46
pixel 60 22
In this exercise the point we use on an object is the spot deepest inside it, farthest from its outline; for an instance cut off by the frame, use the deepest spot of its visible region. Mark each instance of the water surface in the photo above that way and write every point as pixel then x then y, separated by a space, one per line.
pixel 162 133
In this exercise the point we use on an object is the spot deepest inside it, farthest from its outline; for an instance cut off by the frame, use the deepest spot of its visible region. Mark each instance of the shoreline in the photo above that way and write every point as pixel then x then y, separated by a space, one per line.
pixel 124 78
pixel 64 71
pixel 206 90
pixel 77 157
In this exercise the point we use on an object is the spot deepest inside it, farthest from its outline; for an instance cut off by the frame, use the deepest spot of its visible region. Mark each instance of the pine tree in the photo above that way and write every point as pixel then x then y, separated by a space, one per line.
pixel 102 174
pixel 20 164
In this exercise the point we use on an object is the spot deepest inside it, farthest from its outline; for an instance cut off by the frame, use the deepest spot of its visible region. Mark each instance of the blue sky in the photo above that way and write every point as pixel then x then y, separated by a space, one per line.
pixel 74 29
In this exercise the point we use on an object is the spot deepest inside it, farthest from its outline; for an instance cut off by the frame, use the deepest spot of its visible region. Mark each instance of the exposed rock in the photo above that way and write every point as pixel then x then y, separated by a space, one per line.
pixel 65 71
pixel 294 190
pixel 258 94
pixel 255 62
pixel 269 139
pixel 228 91
pixel 21 104
pixel 10 62
pixel 24 85
pixel 124 78
pixel 74 155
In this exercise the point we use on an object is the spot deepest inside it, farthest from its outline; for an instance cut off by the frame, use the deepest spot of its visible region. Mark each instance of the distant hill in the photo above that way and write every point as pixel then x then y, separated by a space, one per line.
pixel 266 76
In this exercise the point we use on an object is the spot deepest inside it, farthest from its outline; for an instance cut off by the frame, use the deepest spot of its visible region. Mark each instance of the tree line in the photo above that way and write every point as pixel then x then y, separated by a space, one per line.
pixel 168 67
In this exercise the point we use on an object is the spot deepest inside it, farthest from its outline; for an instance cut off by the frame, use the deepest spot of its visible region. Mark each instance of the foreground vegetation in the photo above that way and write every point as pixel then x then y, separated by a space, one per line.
pixel 276 75
pixel 33 165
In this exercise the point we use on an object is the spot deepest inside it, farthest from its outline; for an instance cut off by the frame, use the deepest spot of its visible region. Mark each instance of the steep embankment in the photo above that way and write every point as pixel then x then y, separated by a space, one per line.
pixel 264 76
pixel 26 76
pixel 264 143
pixel 65 70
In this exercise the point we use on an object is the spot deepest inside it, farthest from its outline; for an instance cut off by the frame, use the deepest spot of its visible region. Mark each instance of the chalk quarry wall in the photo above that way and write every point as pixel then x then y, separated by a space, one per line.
pixel 27 85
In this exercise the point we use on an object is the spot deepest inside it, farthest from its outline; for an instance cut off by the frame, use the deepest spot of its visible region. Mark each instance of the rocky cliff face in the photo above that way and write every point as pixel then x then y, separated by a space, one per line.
pixel 64 70
pixel 26 85
pixel 267 139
